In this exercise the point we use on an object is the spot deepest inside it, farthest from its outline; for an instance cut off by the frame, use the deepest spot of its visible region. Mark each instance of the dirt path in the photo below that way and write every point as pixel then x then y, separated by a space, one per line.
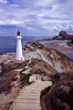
pixel 29 97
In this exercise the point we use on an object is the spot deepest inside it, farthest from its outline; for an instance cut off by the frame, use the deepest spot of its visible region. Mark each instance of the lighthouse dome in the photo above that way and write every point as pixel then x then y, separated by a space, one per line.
pixel 18 33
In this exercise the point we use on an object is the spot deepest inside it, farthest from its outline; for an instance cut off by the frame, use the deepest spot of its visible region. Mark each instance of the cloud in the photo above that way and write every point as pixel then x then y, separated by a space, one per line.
pixel 47 15
pixel 3 1
pixel 44 3
pixel 2 32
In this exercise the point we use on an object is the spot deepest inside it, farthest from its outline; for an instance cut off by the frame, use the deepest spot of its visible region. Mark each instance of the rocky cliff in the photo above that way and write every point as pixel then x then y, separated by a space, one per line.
pixel 64 36
pixel 56 59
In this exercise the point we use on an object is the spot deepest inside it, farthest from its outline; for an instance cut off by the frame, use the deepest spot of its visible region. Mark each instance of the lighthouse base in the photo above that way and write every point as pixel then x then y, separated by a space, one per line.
pixel 19 60
pixel 22 59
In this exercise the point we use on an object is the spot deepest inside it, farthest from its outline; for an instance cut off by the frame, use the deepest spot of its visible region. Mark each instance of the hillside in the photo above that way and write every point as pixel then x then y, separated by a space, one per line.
pixel 41 64
pixel 56 59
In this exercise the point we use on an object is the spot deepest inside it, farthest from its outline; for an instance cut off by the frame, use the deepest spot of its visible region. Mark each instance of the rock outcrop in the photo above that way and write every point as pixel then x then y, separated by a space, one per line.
pixel 63 36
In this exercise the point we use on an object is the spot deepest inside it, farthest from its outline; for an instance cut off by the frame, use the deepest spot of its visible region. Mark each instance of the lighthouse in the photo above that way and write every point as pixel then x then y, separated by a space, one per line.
pixel 19 56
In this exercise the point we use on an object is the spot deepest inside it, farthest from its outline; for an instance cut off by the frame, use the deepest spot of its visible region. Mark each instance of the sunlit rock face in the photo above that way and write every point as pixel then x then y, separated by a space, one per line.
pixel 56 59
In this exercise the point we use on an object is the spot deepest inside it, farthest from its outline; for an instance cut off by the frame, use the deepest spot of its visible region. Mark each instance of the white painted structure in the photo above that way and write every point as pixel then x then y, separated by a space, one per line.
pixel 19 56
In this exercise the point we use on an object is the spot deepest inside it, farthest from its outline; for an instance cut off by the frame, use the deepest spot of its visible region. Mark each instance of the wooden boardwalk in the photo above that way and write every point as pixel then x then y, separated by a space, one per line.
pixel 29 96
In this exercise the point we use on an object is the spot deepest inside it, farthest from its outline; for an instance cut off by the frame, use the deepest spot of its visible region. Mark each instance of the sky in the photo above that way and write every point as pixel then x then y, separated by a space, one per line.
pixel 36 17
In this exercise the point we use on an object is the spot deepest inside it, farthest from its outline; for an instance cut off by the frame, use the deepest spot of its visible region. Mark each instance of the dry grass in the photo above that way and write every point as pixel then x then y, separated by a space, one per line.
pixel 60 95
pixel 6 84
pixel 10 75
pixel 24 79
pixel 12 84
pixel 12 66
pixel 41 67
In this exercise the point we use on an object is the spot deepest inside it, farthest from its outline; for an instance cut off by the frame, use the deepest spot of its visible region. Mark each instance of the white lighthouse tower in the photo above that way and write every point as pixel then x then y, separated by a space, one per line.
pixel 19 56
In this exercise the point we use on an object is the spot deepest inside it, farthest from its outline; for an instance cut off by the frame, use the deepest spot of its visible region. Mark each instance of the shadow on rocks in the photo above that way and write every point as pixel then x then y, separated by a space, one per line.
pixel 60 95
